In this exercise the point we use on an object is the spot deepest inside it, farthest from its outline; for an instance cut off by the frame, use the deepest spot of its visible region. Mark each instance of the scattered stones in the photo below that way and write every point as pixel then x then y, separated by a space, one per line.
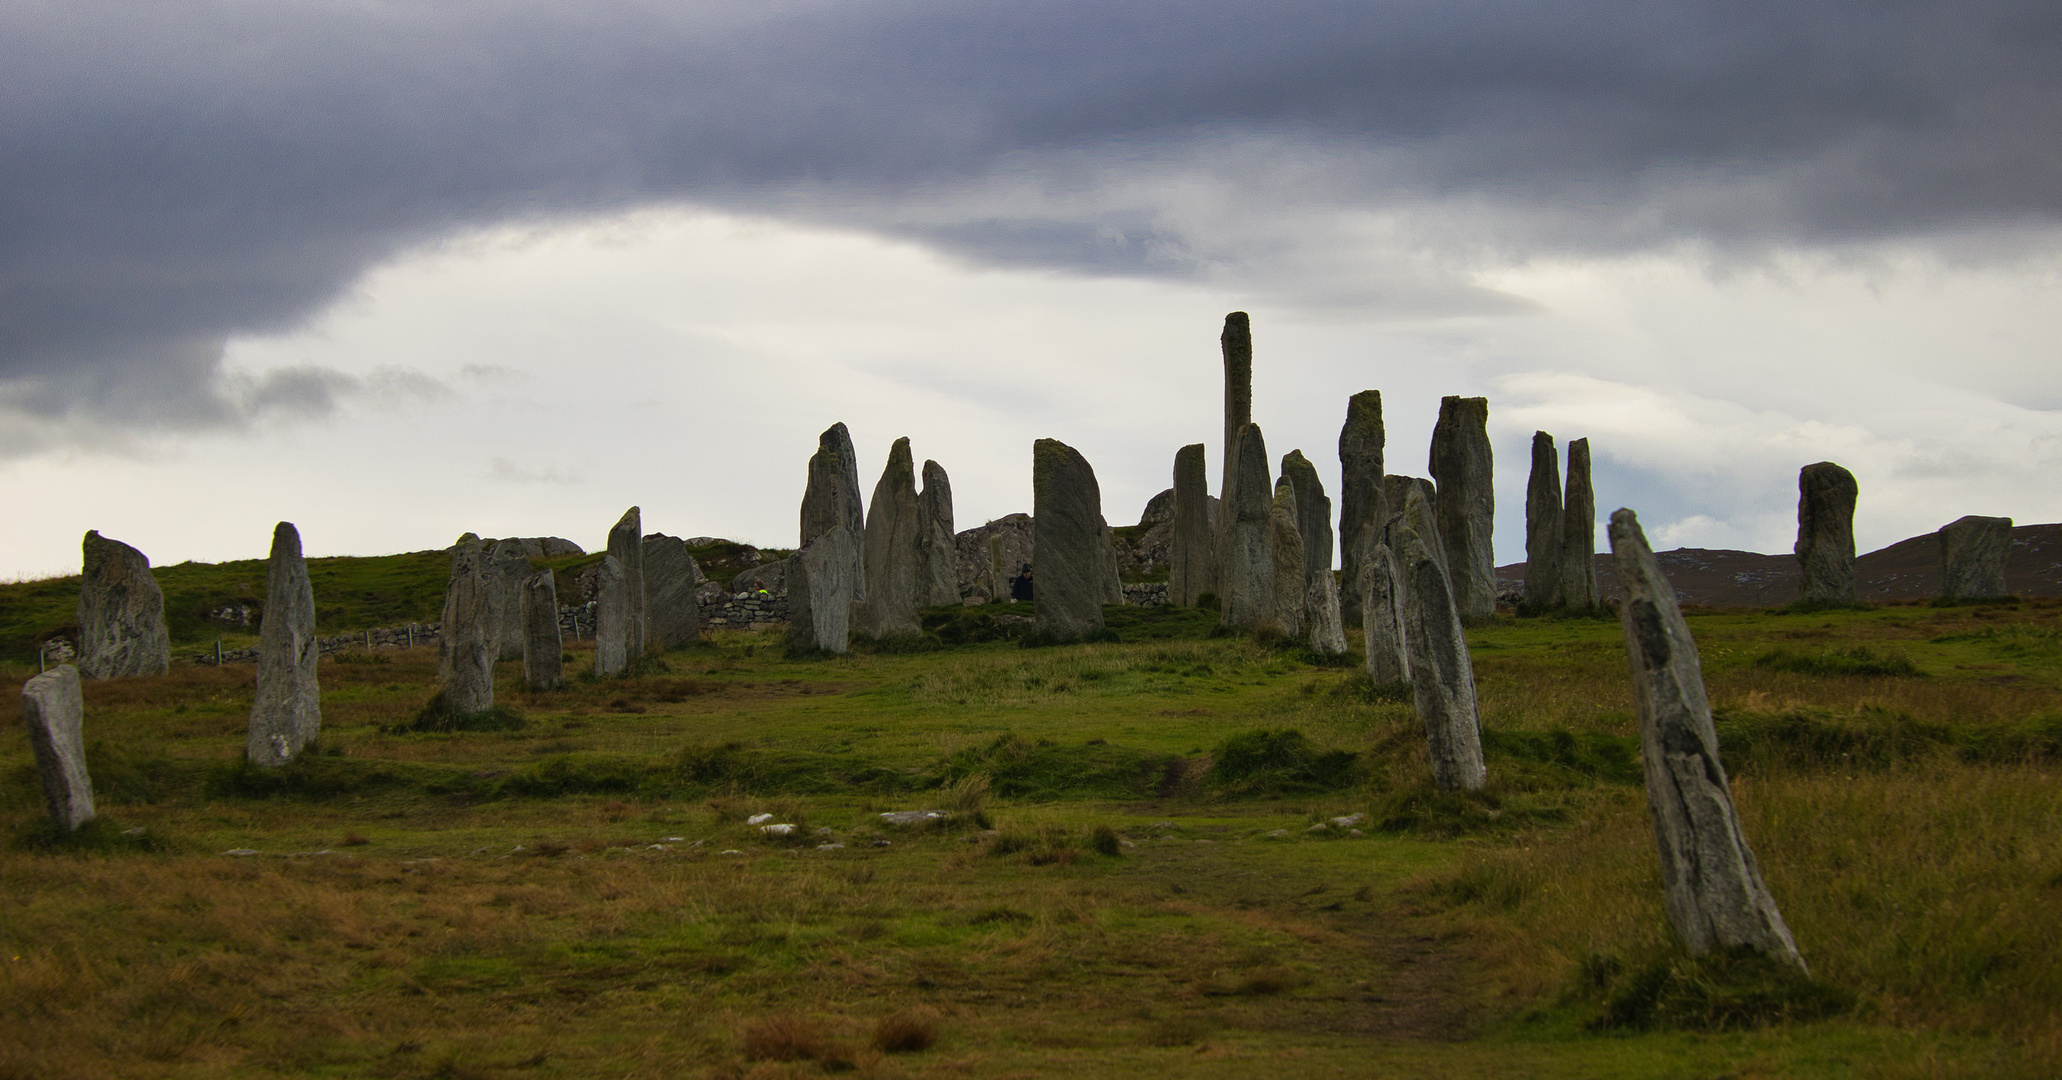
pixel 1073 550
pixel 891 539
pixel 1579 534
pixel 1464 469
pixel 1972 558
pixel 468 644
pixel 1442 677
pixel 1363 506
pixel 821 581
pixel 1236 343
pixel 1192 562
pixel 1826 495
pixel 785 828
pixel 832 499
pixel 121 613
pixel 1349 821
pixel 911 817
pixel 55 713
pixel 937 547
pixel 1285 543
pixel 611 618
pixel 626 546
pixel 1381 618
pixel 1544 529
pixel 672 615
pixel 1714 893
pixel 286 712
pixel 543 648
pixel 1245 550
pixel 506 568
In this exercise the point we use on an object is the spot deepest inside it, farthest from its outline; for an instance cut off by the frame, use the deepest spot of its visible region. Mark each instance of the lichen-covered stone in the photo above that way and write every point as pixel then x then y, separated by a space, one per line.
pixel 672 616
pixel 1192 562
pixel 54 713
pixel 1285 543
pixel 626 545
pixel 286 711
pixel 1579 533
pixel 1363 505
pixel 1712 886
pixel 507 566
pixel 1464 468
pixel 832 499
pixel 1381 618
pixel 890 541
pixel 1321 627
pixel 1543 526
pixel 1245 550
pixel 937 565
pixel 1826 496
pixel 468 643
pixel 543 648
pixel 121 613
pixel 1442 675
pixel 612 616
pixel 820 584
pixel 1972 557
pixel 1073 563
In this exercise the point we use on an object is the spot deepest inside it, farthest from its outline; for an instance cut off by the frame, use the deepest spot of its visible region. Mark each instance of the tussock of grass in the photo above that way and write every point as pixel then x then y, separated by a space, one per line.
pixel 437 716
pixel 1272 761
pixel 907 1031
pixel 1720 991
pixel 1851 660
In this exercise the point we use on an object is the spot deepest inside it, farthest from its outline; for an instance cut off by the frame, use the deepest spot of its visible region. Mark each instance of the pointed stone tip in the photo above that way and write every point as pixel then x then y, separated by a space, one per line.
pixel 1236 318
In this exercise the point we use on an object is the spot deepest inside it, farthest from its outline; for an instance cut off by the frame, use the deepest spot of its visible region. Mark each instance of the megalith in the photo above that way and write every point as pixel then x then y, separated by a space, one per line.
pixel 1381 617
pixel 1236 343
pixel 1544 528
pixel 468 644
pixel 543 649
pixel 1442 676
pixel 1713 888
pixel 1074 560
pixel 1363 506
pixel 121 613
pixel 890 540
pixel 1825 533
pixel 1972 557
pixel 1192 557
pixel 672 616
pixel 286 712
pixel 626 545
pixel 1245 565
pixel 1285 543
pixel 507 567
pixel 820 583
pixel 1397 489
pixel 1464 468
pixel 611 618
pixel 55 713
pixel 937 545
pixel 1321 615
pixel 832 499
pixel 1579 533
pixel 1322 629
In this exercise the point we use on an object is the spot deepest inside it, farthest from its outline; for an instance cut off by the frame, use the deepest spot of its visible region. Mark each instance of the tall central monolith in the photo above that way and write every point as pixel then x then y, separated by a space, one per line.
pixel 1826 496
pixel 1192 555
pixel 1068 528
pixel 1363 508
pixel 1464 469
pixel 1236 343
pixel 1543 526
pixel 286 711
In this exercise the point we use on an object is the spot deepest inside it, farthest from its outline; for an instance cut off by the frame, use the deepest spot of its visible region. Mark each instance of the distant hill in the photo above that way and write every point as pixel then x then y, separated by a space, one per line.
pixel 1906 570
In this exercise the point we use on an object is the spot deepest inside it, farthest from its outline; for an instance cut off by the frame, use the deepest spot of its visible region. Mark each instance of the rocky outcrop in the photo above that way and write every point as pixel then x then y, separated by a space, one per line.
pixel 1074 565
pixel 1972 558
pixel 54 713
pixel 1192 555
pixel 890 541
pixel 1579 534
pixel 121 613
pixel 286 712
pixel 1464 468
pixel 1544 530
pixel 1826 496
pixel 1363 507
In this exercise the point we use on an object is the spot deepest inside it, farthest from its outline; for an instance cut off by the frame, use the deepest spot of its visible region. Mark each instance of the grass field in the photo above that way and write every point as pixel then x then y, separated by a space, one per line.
pixel 1135 874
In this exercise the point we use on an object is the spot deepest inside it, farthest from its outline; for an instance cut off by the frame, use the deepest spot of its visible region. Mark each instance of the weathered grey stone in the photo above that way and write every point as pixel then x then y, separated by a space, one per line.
pixel 1464 468
pixel 626 544
pixel 1285 543
pixel 833 499
pixel 1442 676
pixel 772 577
pixel 286 712
pixel 1381 618
pixel 890 539
pixel 507 566
pixel 1192 562
pixel 820 584
pixel 1113 581
pixel 1236 343
pixel 1363 506
pixel 55 713
pixel 1321 627
pixel 1159 508
pixel 937 547
pixel 1321 618
pixel 468 642
pixel 1543 526
pixel 1972 557
pixel 1245 551
pixel 543 648
pixel 121 613
pixel 611 618
pixel 1825 533
pixel 1396 490
pixel 1073 565
pixel 1579 534
pixel 672 617
pixel 988 556
pixel 1714 893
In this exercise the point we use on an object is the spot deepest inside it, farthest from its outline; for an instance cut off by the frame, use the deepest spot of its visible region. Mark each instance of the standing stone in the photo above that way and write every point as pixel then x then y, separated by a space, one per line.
pixel 937 546
pixel 121 613
pixel 543 649
pixel 1112 574
pixel 1192 556
pixel 468 643
pixel 1825 533
pixel 1321 615
pixel 1363 507
pixel 286 712
pixel 1396 490
pixel 1245 551
pixel 832 499
pixel 507 567
pixel 1442 676
pixel 54 712
pixel 1381 618
pixel 820 584
pixel 1286 543
pixel 1236 343
pixel 1714 892
pixel 1972 558
pixel 611 618
pixel 1579 534
pixel 1464 468
pixel 1073 552
pixel 891 538
pixel 1544 528
pixel 1322 629
pixel 672 617
pixel 626 544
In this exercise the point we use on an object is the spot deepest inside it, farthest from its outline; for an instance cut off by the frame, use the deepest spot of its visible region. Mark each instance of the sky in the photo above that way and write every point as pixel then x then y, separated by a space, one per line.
pixel 396 271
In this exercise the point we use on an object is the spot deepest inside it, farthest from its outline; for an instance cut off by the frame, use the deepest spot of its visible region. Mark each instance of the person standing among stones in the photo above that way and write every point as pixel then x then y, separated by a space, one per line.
pixel 286 711
pixel 1826 495
pixel 121 613
pixel 1464 468
pixel 1021 585
pixel 1543 527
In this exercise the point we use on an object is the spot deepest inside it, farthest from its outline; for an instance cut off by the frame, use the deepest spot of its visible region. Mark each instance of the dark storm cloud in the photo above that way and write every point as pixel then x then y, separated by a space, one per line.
pixel 172 174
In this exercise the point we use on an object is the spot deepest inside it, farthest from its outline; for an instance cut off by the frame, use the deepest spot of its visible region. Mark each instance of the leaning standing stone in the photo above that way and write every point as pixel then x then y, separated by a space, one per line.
pixel 626 545
pixel 1286 543
pixel 890 542
pixel 468 642
pixel 1579 533
pixel 1714 892
pixel 1825 533
pixel 1972 558
pixel 286 713
pixel 54 712
pixel 611 618
pixel 1321 627
pixel 543 655
pixel 672 617
pixel 1073 557
pixel 1246 554
pixel 1543 526
pixel 820 584
pixel 1381 618
pixel 121 613
pixel 1363 508
pixel 1192 555
pixel 937 568
pixel 832 499
pixel 507 566
pixel 1442 676
pixel 1464 468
